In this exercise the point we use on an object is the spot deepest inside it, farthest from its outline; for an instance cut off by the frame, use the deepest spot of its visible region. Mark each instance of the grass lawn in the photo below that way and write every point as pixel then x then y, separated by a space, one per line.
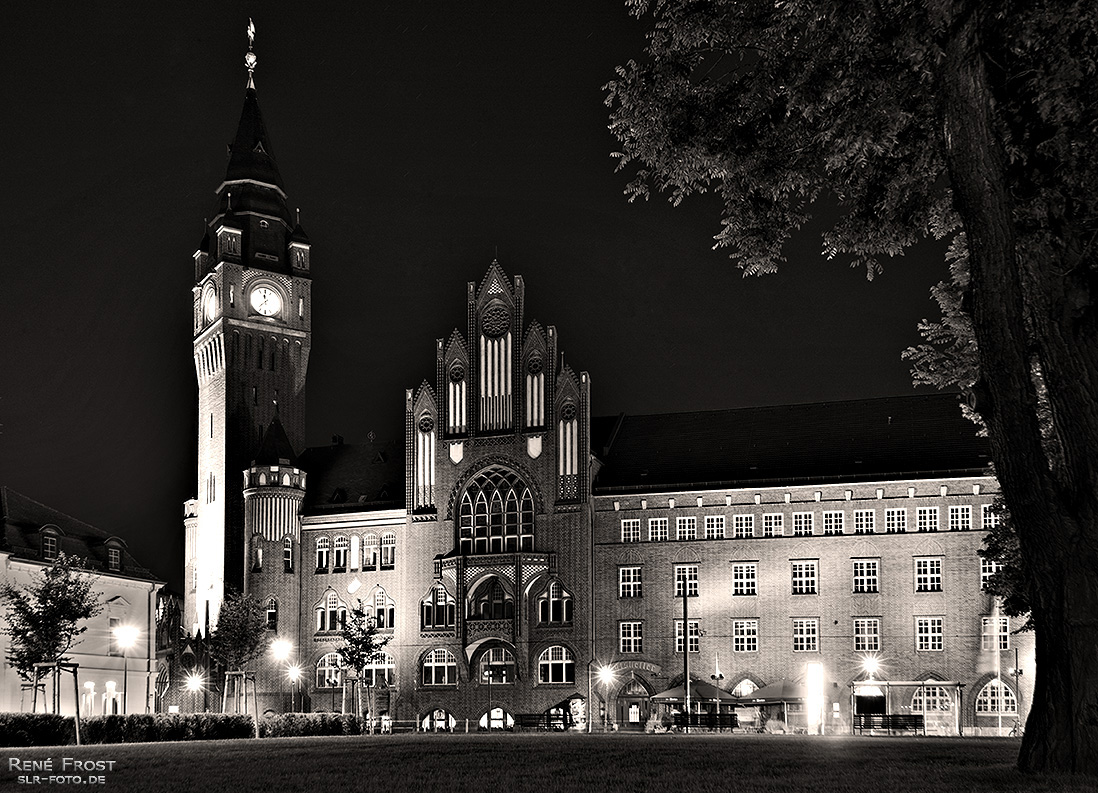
pixel 554 762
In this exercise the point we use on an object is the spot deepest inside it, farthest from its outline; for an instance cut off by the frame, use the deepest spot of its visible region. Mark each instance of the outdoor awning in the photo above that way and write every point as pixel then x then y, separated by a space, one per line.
pixel 699 692
pixel 775 694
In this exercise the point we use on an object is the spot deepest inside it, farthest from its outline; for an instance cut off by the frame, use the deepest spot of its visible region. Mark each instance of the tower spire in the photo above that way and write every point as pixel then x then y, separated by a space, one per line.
pixel 250 60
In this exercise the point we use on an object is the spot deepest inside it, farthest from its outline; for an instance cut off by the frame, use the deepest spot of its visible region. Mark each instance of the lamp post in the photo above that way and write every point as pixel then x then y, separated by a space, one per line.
pixel 194 685
pixel 606 677
pixel 488 675
pixel 281 649
pixel 1015 672
pixel 294 673
pixel 126 636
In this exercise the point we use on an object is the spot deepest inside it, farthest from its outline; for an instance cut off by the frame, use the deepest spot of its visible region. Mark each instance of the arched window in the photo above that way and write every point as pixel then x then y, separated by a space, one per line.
pixel 272 614
pixel 498 665
pixel 388 550
pixel 439 668
pixel 323 549
pixel 329 671
pixel 930 698
pixel 339 559
pixel 381 610
pixel 380 670
pixel 745 688
pixel 555 604
pixel 331 614
pixel 557 665
pixel 439 720
pixel 996 697
pixel 496 514
pixel 501 720
pixel 369 552
pixel 491 601
pixel 288 555
pixel 437 610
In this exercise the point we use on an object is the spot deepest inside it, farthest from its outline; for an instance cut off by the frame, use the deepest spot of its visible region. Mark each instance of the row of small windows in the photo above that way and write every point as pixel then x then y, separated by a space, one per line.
pixel 834 522
pixel 491 601
pixel 334 555
pixel 804 577
pixel 805 631
pixel 496 515
pixel 51 548
pixel 556 664
pixel 331 612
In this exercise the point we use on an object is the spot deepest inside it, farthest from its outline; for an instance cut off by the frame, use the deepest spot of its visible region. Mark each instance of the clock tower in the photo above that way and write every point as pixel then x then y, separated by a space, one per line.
pixel 252 314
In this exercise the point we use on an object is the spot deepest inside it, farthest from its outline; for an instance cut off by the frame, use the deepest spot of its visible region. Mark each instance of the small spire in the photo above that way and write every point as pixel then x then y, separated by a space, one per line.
pixel 250 60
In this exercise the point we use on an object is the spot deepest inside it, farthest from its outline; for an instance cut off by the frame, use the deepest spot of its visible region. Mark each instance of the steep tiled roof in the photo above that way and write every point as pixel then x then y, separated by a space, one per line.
pixel 250 153
pixel 23 522
pixel 863 440
pixel 275 449
pixel 353 477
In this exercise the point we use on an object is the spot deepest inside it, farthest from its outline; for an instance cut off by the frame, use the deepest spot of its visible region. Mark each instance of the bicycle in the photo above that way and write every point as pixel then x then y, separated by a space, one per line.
pixel 1017 730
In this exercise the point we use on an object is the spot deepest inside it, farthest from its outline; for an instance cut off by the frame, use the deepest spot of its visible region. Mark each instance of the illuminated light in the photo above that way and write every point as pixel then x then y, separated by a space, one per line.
pixel 871 666
pixel 295 673
pixel 605 675
pixel 193 683
pixel 126 636
pixel 814 702
pixel 281 649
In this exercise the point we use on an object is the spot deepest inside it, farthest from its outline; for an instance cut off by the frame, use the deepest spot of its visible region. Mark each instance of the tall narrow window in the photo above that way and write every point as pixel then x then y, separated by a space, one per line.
pixel 686 577
pixel 272 614
pixel 288 554
pixel 555 604
pixel 369 552
pixel 323 551
pixel 388 550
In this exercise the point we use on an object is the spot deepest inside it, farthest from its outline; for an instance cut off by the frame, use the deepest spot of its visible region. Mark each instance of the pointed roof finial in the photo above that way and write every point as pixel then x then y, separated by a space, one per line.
pixel 250 60
pixel 299 216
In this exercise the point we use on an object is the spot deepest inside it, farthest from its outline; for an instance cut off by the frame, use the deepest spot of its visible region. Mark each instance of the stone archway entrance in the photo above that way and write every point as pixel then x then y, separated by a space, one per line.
pixel 632 706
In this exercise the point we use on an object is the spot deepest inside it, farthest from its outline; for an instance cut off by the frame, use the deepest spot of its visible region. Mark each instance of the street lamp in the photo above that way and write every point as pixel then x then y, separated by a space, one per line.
pixel 871 666
pixel 194 683
pixel 281 649
pixel 126 636
pixel 294 673
pixel 606 677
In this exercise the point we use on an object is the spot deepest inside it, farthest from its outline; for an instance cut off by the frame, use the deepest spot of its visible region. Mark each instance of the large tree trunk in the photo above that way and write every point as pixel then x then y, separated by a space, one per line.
pixel 1052 501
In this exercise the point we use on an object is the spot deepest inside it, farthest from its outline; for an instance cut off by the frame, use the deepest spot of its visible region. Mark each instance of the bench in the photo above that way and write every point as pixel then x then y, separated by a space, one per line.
pixel 892 722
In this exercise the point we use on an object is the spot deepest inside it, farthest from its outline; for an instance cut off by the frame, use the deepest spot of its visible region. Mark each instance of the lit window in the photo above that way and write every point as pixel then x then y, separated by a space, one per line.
pixel 369 552
pixel 896 521
pixel 381 610
pixel 929 634
pixel 491 601
pixel 112 636
pixel 439 609
pixel 629 582
pixel 686 575
pixel 960 518
pixel 743 526
pixel 867 634
pixel 806 634
pixel 380 670
pixel 745 636
pixel 632 637
pixel 931 698
pixel 49 547
pixel 439 668
pixel 988 568
pixel 714 527
pixel 987 633
pixel 802 523
pixel 114 559
pixel 745 576
pixel 686 528
pixel 555 604
pixel 744 688
pixel 331 614
pixel 989 516
pixel 926 519
pixel 866 575
pixel 928 574
pixel 329 671
pixel 996 697
pixel 694 638
pixel 631 530
pixel 865 521
pixel 833 523
pixel 557 665
pixel 773 525
pixel 804 577
pixel 496 514
pixel 288 555
pixel 388 550
pixel 657 529
pixel 497 665
pixel 272 614
pixel 339 558
pixel 323 552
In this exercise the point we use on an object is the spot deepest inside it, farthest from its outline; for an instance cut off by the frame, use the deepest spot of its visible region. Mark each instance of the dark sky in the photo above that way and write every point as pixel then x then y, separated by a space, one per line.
pixel 417 138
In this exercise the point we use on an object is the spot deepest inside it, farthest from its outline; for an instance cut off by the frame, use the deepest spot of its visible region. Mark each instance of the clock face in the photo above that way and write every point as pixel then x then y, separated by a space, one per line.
pixel 266 301
pixel 209 304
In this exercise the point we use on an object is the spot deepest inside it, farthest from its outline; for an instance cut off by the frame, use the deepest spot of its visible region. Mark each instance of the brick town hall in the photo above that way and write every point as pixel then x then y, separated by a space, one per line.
pixel 514 545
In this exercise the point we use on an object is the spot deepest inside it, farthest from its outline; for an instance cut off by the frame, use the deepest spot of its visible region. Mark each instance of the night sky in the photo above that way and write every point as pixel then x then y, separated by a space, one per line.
pixel 417 139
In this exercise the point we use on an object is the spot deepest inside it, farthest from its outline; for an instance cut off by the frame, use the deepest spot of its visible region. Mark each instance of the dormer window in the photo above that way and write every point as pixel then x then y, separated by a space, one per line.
pixel 114 559
pixel 228 243
pixel 49 547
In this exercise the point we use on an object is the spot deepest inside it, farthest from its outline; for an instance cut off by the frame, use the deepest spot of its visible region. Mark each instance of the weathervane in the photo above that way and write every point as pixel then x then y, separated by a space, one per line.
pixel 250 60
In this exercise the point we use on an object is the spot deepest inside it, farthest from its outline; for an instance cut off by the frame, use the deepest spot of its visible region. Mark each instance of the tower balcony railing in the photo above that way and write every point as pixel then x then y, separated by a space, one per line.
pixel 489 629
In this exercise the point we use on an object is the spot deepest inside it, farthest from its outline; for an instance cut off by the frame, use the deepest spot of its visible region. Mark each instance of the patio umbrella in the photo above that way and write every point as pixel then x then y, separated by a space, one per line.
pixel 779 692
pixel 699 692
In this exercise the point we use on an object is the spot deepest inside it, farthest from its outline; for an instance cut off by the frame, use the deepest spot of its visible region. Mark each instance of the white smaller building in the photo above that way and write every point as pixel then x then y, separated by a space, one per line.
pixel 112 679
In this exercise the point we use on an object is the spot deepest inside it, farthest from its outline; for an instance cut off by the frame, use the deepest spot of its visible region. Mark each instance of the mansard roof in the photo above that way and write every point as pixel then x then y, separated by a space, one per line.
pixel 919 436
pixel 352 477
pixel 23 521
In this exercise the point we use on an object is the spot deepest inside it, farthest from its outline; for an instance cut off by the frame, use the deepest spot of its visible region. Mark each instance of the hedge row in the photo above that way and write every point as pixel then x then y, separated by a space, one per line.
pixel 40 729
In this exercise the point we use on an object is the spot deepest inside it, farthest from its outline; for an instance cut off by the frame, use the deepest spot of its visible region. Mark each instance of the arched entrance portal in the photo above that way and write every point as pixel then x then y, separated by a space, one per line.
pixel 632 706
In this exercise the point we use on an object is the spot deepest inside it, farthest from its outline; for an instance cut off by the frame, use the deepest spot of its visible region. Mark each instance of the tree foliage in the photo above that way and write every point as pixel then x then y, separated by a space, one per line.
pixel 957 119
pixel 363 645
pixel 240 635
pixel 44 618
